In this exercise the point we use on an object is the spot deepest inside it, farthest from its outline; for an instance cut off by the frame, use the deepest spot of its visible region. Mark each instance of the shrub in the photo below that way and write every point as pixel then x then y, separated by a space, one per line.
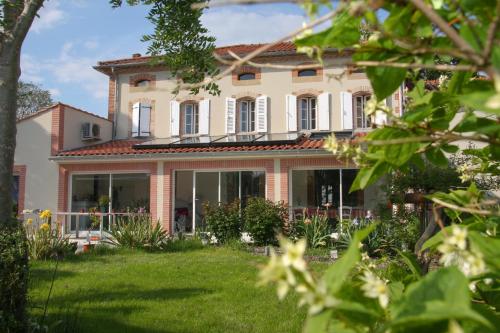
pixel 263 220
pixel 314 228
pixel 13 279
pixel 138 231
pixel 223 220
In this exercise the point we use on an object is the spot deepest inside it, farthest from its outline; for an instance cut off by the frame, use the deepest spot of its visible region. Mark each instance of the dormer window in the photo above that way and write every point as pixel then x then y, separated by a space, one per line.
pixel 191 118
pixel 246 76
pixel 307 113
pixel 247 115
pixel 307 72
pixel 143 83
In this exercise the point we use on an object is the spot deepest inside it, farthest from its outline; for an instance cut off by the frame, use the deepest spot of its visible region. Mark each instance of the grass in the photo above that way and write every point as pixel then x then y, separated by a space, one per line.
pixel 188 289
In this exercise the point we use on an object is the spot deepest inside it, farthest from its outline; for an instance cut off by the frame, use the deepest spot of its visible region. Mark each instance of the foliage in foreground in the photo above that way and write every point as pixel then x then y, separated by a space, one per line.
pixel 13 279
pixel 138 231
pixel 405 40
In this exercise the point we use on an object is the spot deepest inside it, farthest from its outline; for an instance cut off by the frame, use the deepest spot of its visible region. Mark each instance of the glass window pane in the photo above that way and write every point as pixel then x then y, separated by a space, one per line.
pixel 229 186
pixel 183 204
pixel 253 184
pixel 355 199
pixel 315 188
pixel 85 193
pixel 130 192
pixel 15 194
pixel 207 191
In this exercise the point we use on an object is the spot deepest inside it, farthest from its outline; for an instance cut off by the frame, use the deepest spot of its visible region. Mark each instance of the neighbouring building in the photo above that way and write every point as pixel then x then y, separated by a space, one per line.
pixel 168 154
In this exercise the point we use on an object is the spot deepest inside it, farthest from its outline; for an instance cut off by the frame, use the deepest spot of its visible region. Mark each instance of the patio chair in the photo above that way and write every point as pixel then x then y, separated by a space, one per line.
pixel 346 212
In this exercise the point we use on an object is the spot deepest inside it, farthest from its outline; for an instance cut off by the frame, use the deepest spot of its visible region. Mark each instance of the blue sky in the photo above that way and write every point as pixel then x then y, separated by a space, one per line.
pixel 70 36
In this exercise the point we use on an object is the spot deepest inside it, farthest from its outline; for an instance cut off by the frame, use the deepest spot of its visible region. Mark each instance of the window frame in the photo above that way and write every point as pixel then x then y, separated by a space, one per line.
pixel 139 83
pixel 251 115
pixel 251 76
pixel 359 113
pixel 311 113
pixel 194 121
pixel 306 72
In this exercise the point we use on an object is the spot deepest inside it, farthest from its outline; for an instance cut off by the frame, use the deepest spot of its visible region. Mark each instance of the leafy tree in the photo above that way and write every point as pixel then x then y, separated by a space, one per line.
pixel 31 98
pixel 180 42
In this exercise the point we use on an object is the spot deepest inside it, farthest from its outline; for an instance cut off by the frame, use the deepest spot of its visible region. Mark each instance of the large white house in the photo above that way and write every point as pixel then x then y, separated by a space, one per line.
pixel 168 154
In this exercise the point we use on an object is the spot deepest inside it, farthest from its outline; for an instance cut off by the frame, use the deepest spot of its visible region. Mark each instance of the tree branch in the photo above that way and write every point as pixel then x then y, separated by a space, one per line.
pixel 448 30
pixel 464 209
pixel 24 20
pixel 492 30
pixel 263 49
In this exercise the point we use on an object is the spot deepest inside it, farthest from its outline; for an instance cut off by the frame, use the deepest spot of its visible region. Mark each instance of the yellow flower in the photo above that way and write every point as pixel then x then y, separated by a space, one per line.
pixel 45 227
pixel 46 214
pixel 29 221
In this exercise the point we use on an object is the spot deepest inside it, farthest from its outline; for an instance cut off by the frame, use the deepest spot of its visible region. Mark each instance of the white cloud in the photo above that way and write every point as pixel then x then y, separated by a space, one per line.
pixel 68 69
pixel 91 44
pixel 240 26
pixel 49 16
pixel 54 92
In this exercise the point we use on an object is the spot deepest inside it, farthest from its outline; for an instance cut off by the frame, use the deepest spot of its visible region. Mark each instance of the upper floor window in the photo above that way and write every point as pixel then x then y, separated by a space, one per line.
pixel 191 118
pixel 143 83
pixel 307 72
pixel 246 76
pixel 247 115
pixel 361 120
pixel 307 111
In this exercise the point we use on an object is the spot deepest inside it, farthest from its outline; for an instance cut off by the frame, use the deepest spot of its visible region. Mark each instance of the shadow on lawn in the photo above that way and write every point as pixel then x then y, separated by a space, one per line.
pixel 127 293
pixel 100 311
pixel 97 320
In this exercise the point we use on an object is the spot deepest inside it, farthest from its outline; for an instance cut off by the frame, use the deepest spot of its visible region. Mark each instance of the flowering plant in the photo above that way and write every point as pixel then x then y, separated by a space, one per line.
pixel 354 293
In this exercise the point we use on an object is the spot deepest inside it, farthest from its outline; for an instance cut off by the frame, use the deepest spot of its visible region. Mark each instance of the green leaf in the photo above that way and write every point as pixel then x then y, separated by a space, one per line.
pixel 385 80
pixel 489 247
pixel 411 261
pixel 367 176
pixel 435 240
pixel 478 101
pixel 337 274
pixel 318 323
pixel 436 156
pixel 442 295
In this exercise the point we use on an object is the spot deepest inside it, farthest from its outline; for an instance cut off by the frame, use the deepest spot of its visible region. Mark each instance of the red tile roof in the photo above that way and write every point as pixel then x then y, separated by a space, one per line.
pixel 126 147
pixel 51 107
pixel 239 49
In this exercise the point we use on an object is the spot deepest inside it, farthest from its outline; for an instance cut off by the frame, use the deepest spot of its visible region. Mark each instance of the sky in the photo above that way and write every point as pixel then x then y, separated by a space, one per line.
pixel 71 36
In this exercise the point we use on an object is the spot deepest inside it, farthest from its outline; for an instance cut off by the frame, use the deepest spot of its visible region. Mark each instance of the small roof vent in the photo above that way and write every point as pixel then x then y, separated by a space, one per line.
pixel 136 55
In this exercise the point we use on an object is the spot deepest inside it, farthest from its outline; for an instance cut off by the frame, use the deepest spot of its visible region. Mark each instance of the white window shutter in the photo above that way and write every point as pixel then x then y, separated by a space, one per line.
pixel 261 110
pixel 291 112
pixel 346 108
pixel 136 111
pixel 230 115
pixel 175 109
pixel 204 121
pixel 324 111
pixel 145 120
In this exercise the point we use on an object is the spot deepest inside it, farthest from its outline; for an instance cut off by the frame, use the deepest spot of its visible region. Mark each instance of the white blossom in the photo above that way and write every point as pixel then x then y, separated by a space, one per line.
pixel 374 287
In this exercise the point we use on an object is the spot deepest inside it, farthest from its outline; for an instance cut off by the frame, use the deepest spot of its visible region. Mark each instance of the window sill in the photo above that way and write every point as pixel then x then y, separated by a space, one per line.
pixel 304 79
pixel 246 82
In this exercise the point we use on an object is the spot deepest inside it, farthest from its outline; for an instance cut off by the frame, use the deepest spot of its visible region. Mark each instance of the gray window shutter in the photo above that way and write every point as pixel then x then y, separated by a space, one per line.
pixel 174 118
pixel 136 112
pixel 230 115
pixel 291 112
pixel 346 109
pixel 204 117
pixel 324 111
pixel 261 110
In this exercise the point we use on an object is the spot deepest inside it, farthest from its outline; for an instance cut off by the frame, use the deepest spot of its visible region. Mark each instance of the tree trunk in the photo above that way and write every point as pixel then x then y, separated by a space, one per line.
pixel 9 75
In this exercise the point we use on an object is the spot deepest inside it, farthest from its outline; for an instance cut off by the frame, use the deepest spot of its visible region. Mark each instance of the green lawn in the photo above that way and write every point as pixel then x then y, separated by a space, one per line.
pixel 199 290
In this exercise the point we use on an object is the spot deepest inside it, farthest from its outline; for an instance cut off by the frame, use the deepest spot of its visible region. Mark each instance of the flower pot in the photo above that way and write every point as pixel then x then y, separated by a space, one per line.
pixel 204 241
